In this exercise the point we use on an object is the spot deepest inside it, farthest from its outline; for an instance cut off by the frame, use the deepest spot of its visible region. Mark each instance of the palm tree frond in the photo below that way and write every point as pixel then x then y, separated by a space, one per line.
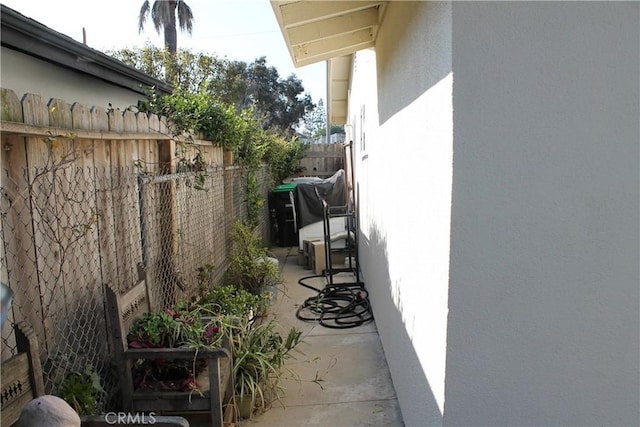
pixel 185 17
pixel 142 16
pixel 162 14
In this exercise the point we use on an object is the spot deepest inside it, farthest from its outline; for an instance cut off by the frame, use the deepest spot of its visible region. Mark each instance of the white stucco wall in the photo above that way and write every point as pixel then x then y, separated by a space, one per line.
pixel 404 174
pixel 544 316
pixel 24 74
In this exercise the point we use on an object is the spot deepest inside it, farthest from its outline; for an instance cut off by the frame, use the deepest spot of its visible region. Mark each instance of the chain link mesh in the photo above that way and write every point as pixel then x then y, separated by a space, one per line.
pixel 70 231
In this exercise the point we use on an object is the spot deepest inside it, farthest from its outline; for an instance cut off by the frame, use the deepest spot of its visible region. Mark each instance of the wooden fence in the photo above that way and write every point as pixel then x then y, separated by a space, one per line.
pixel 90 198
pixel 323 160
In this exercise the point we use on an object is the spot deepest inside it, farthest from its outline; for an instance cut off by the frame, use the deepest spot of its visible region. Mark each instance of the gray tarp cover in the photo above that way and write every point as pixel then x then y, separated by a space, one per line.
pixel 309 198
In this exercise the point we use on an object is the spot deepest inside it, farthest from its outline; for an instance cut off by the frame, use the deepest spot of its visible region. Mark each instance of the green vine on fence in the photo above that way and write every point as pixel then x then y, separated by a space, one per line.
pixel 237 131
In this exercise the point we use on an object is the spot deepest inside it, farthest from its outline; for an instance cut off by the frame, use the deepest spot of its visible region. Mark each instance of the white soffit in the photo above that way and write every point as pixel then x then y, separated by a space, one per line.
pixel 317 30
pixel 339 73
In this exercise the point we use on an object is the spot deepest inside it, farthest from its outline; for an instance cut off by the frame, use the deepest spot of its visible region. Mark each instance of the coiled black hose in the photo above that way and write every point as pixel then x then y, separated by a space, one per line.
pixel 338 306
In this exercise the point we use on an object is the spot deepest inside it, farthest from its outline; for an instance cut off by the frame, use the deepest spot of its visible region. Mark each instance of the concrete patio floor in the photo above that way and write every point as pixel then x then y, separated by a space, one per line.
pixel 356 385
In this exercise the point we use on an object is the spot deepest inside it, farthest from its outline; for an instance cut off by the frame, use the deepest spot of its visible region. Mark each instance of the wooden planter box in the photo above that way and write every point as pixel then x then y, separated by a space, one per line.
pixel 216 382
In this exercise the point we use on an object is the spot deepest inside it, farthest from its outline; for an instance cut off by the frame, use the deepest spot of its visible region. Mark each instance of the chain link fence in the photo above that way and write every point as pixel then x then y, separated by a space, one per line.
pixel 69 231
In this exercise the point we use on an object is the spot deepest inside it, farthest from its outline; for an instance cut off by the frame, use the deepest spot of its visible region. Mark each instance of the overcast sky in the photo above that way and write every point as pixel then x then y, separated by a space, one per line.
pixel 236 29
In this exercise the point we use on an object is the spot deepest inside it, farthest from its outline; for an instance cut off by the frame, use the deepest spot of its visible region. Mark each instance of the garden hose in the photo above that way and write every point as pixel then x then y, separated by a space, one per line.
pixel 337 306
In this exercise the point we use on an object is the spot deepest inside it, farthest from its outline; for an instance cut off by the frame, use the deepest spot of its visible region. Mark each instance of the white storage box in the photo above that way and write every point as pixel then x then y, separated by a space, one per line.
pixel 315 231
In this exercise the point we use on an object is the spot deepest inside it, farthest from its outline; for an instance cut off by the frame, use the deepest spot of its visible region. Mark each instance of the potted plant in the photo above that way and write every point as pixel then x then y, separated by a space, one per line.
pixel 259 355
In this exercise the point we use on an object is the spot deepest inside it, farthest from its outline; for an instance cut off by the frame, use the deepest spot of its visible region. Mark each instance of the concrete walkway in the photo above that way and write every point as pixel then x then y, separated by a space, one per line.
pixel 356 385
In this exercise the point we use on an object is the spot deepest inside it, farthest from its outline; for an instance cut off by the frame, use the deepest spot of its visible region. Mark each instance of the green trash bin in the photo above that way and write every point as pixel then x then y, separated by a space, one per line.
pixel 283 215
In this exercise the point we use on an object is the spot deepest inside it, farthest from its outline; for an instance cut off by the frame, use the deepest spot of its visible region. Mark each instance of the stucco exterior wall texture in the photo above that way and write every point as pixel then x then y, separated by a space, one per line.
pixel 499 189
pixel 544 290
pixel 24 74
pixel 404 175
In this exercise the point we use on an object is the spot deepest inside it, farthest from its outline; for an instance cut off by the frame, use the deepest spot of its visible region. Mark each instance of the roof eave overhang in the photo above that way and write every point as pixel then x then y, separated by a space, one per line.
pixel 318 30
pixel 338 79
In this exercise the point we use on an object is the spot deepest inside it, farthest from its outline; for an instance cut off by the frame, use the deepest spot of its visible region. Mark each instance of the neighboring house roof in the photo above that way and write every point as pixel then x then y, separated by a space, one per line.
pixel 329 30
pixel 30 37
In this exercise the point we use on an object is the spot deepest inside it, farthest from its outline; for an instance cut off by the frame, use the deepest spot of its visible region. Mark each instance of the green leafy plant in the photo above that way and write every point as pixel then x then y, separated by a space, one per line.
pixel 154 330
pixel 83 391
pixel 205 278
pixel 278 102
pixel 239 131
pixel 175 328
pixel 171 329
pixel 254 200
pixel 76 380
pixel 284 157
pixel 259 356
pixel 202 114
pixel 231 301
pixel 250 267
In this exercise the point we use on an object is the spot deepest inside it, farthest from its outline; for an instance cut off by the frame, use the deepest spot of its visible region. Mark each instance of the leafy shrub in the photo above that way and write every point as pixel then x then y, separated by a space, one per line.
pixel 284 157
pixel 249 266
pixel 232 301
pixel 202 114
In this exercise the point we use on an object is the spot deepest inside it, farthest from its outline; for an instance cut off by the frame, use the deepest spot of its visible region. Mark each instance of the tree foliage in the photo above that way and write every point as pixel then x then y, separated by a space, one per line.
pixel 246 108
pixel 314 122
pixel 277 103
pixel 284 157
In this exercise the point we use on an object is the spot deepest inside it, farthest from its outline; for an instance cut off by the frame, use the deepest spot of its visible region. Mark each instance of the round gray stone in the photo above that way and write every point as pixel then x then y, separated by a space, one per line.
pixel 49 411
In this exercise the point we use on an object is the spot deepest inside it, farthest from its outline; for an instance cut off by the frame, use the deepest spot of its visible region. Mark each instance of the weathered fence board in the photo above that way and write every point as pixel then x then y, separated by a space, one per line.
pixel 128 209
pixel 104 199
pixel 323 159
pixel 19 251
pixel 58 223
pixel 46 225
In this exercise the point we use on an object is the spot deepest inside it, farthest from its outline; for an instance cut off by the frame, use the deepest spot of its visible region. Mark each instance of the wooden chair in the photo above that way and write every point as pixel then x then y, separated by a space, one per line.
pixel 21 375
pixel 122 311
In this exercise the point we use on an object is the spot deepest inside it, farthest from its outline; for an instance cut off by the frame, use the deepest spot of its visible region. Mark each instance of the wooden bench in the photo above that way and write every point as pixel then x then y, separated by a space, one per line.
pixel 21 375
pixel 216 386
